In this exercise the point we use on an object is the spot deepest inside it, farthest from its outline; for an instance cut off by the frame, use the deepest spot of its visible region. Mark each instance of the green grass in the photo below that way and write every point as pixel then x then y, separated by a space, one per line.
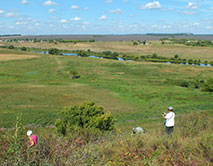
pixel 135 93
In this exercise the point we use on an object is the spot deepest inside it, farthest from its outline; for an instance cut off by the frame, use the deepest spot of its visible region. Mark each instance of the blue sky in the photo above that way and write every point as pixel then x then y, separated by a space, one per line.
pixel 39 17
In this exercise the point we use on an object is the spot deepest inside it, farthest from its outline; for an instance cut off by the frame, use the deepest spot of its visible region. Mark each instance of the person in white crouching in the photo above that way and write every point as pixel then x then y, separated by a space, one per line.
pixel 137 130
pixel 170 120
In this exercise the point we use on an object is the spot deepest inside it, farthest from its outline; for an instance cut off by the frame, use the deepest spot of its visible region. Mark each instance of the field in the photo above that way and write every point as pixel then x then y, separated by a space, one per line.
pixel 40 87
pixel 35 88
pixel 167 50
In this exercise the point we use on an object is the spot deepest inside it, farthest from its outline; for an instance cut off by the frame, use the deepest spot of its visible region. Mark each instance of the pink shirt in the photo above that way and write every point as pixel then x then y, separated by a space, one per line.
pixel 34 138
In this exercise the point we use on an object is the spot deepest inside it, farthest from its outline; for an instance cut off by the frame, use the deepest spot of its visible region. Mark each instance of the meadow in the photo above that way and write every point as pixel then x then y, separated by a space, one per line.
pixel 166 50
pixel 40 87
pixel 136 93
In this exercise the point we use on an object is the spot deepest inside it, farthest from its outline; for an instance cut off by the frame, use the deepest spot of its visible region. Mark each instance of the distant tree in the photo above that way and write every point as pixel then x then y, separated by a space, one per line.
pixel 23 49
pixel 53 51
pixel 176 56
pixel 154 55
pixel 107 52
pixel 135 43
pixel 11 47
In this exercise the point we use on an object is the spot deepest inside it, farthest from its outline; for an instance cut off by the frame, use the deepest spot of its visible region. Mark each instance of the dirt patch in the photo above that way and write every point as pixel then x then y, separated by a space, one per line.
pixel 7 57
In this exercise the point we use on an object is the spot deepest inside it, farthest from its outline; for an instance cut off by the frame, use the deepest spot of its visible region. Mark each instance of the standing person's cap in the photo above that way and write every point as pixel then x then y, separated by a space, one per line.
pixel 29 133
pixel 170 108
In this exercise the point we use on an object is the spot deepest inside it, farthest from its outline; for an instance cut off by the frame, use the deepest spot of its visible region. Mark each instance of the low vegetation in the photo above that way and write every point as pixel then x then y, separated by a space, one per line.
pixel 190 144
pixel 84 116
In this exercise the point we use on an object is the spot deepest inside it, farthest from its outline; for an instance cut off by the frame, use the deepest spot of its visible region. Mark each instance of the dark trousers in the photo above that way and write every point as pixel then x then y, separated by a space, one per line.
pixel 169 130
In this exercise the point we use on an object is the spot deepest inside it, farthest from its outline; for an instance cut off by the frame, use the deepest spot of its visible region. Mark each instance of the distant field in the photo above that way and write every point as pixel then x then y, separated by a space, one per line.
pixel 6 57
pixel 125 37
pixel 136 93
pixel 202 53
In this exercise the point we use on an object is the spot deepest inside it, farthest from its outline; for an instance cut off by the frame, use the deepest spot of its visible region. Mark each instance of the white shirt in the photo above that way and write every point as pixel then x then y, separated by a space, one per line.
pixel 170 119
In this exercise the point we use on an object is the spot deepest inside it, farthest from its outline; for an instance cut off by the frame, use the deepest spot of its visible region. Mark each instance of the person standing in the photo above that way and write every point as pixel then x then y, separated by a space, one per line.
pixel 170 120
pixel 33 138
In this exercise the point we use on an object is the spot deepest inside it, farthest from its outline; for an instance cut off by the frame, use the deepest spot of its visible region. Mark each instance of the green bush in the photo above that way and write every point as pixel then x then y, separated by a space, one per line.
pixel 208 85
pixel 84 116
pixel 23 49
pixel 11 47
pixel 184 84
pixel 53 51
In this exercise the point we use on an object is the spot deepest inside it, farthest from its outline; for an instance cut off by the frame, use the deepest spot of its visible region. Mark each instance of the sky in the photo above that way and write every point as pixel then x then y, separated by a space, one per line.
pixel 46 17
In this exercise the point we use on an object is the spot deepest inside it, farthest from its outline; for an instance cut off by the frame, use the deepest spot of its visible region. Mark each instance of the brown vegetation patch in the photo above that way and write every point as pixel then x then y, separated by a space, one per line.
pixel 7 57
pixel 166 70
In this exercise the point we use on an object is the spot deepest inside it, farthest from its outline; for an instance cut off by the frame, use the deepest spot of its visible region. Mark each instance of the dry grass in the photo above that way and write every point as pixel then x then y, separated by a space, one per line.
pixel 203 53
pixel 7 57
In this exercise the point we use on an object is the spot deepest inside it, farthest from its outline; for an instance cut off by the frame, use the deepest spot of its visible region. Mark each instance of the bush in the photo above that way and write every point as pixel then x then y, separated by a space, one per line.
pixel 208 85
pixel 53 51
pixel 11 47
pixel 23 49
pixel 184 84
pixel 84 116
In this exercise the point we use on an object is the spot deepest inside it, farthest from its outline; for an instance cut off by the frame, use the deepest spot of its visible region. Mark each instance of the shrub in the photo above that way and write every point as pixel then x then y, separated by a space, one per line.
pixel 11 47
pixel 23 49
pixel 208 85
pixel 184 84
pixel 75 74
pixel 53 51
pixel 84 116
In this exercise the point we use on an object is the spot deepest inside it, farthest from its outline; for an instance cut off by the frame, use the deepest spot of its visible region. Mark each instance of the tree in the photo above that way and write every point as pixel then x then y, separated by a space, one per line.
pixel 87 115
pixel 176 56
pixel 23 49
pixel 53 51
pixel 11 47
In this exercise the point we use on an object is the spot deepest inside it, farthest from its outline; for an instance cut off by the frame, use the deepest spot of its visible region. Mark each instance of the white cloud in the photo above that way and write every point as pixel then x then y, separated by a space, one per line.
pixel 24 2
pixel 74 7
pixel 76 19
pixel 192 6
pixel 124 1
pixel 208 27
pixel 11 14
pixel 86 23
pixel 161 27
pixel 21 23
pixel 103 17
pixel 116 11
pixel 63 21
pixel 1 11
pixel 151 5
pixel 51 10
pixel 211 8
pixel 196 24
pixel 188 13
pixel 49 3
pixel 108 1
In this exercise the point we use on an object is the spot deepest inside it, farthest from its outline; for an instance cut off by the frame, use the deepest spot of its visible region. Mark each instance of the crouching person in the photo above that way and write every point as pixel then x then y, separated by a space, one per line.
pixel 33 138
pixel 137 130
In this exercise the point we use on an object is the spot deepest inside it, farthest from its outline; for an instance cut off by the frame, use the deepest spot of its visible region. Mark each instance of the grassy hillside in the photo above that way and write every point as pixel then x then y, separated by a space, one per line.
pixel 134 92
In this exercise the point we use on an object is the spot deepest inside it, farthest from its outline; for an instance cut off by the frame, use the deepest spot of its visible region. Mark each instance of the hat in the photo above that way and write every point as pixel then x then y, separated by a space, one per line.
pixel 29 133
pixel 170 108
